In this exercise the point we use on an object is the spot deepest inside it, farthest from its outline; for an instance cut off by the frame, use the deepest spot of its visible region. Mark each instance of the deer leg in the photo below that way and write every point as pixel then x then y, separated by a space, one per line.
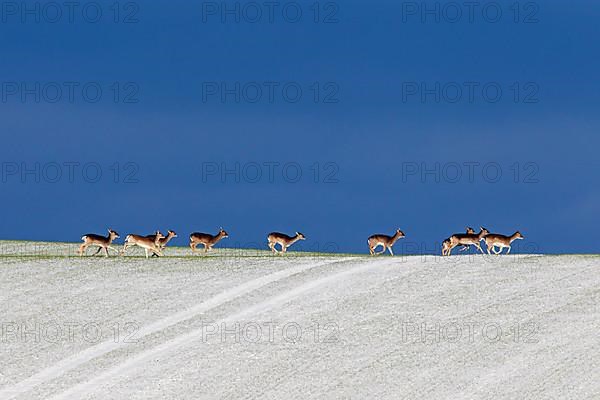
pixel 205 248
pixel 453 246
pixel 372 251
pixel 479 247
pixel 384 248
pixel 445 249
pixel 497 252
pixel 391 252
pixel 509 248
pixel 113 249
pixel 97 251
pixel 82 249
pixel 106 252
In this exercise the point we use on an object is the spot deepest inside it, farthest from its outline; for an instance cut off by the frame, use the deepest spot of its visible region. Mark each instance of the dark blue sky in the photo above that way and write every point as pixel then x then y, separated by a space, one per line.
pixel 407 115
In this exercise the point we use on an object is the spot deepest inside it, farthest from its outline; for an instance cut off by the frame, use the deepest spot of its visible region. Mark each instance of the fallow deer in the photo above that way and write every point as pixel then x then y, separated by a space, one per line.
pixel 467 239
pixel 493 240
pixel 385 241
pixel 283 240
pixel 162 243
pixel 103 242
pixel 446 243
pixel 150 243
pixel 206 239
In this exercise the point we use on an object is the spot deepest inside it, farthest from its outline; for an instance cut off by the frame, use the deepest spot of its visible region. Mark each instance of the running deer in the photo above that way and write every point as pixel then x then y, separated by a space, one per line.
pixel 150 243
pixel 446 243
pixel 103 242
pixel 467 239
pixel 162 243
pixel 492 241
pixel 206 239
pixel 385 241
pixel 283 240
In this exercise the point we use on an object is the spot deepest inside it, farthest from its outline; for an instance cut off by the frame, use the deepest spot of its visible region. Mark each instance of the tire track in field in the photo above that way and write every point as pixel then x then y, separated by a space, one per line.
pixel 324 353
pixel 108 346
pixel 134 364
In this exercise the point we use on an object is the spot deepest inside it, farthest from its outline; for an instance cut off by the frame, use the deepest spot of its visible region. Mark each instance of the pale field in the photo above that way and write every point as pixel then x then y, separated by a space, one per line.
pixel 246 324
